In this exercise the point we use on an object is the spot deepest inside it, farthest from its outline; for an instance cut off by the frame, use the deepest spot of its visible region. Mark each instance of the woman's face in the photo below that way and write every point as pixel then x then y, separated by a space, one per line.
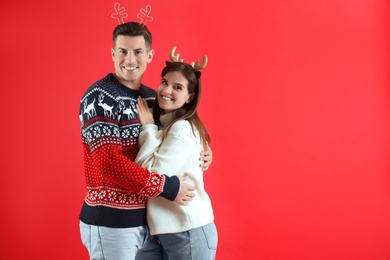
pixel 172 93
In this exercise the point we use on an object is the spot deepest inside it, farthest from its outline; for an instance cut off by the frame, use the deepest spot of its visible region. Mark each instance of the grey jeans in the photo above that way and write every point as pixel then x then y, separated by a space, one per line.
pixel 195 244
pixel 104 243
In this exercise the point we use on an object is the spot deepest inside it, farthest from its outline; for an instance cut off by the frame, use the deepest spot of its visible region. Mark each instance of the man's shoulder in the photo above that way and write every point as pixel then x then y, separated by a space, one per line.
pixel 107 85
pixel 147 91
pixel 104 82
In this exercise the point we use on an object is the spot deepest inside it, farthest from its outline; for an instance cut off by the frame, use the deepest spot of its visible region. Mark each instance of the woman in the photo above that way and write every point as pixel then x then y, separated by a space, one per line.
pixel 185 232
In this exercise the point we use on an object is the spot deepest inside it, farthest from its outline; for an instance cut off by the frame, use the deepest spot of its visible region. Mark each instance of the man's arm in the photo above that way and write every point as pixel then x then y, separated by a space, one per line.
pixel 185 193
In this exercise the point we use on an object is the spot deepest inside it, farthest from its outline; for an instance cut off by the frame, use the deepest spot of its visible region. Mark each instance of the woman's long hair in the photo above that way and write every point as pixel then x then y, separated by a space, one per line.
pixel 189 110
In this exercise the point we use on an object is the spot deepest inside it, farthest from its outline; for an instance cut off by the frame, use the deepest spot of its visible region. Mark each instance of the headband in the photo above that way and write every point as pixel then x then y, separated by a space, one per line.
pixel 196 66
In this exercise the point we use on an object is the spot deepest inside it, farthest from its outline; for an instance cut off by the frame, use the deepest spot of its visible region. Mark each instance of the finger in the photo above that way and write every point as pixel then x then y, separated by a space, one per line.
pixel 183 178
pixel 144 103
pixel 181 202
pixel 190 188
pixel 191 196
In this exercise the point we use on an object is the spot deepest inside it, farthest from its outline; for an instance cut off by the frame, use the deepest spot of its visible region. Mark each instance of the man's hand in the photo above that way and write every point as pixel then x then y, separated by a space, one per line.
pixel 185 192
pixel 205 158
pixel 144 114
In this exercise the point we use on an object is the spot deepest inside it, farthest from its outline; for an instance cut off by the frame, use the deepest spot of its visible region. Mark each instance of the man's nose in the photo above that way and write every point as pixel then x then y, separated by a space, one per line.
pixel 130 57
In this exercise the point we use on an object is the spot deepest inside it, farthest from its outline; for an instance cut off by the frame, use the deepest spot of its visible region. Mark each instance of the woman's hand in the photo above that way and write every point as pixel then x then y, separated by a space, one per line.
pixel 144 114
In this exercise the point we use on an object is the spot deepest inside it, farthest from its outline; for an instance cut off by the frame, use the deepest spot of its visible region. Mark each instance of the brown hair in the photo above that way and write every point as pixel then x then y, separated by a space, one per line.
pixel 133 29
pixel 189 110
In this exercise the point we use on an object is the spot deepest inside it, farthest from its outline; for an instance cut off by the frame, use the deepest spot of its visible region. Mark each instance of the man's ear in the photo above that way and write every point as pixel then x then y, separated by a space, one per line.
pixel 113 54
pixel 150 56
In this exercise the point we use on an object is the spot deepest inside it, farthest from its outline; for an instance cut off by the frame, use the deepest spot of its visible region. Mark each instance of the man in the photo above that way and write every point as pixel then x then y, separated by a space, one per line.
pixel 112 219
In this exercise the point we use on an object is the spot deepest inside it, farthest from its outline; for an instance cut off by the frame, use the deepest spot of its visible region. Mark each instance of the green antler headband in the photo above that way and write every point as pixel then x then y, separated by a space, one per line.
pixel 197 66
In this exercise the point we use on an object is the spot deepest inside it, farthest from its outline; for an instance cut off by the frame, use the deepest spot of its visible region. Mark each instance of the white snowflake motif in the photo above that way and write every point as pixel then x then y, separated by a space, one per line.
pixel 141 199
pixel 151 190
pixel 135 131
pixel 96 131
pixel 132 198
pixel 106 130
pixel 89 136
pixel 116 132
pixel 93 195
pixel 155 180
pixel 126 133
pixel 112 196
pixel 122 198
pixel 102 194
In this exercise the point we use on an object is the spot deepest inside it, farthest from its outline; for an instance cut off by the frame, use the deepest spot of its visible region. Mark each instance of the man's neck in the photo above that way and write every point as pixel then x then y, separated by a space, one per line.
pixel 131 84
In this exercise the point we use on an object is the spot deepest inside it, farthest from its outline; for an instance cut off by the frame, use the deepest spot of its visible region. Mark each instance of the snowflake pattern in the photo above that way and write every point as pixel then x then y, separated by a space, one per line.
pixel 106 130
pixel 89 136
pixel 102 194
pixel 116 132
pixel 133 198
pixel 155 180
pixel 135 131
pixel 112 196
pixel 125 133
pixel 122 198
pixel 96 131
pixel 118 198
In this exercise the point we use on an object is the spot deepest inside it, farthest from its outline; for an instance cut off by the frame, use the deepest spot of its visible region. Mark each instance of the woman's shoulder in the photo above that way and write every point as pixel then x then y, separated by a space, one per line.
pixel 181 128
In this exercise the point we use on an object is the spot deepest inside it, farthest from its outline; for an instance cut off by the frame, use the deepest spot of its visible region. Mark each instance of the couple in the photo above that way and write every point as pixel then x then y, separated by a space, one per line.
pixel 113 216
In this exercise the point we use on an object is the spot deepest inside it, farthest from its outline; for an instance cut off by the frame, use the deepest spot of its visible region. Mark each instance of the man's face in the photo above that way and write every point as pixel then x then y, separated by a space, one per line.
pixel 131 59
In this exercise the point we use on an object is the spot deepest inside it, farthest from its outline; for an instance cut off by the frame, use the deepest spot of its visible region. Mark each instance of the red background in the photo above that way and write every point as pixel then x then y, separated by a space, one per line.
pixel 296 98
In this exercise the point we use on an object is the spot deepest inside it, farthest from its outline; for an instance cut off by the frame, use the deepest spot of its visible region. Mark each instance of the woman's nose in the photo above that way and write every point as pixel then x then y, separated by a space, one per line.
pixel 168 89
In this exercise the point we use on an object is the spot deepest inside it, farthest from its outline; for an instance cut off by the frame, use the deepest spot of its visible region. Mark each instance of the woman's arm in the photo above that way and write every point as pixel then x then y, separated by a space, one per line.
pixel 149 139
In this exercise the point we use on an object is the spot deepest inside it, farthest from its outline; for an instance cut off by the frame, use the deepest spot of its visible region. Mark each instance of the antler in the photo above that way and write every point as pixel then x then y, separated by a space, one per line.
pixel 173 57
pixel 199 66
pixel 196 66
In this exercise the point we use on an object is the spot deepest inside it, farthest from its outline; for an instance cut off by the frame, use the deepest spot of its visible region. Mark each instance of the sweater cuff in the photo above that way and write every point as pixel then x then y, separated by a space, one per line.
pixel 149 126
pixel 171 188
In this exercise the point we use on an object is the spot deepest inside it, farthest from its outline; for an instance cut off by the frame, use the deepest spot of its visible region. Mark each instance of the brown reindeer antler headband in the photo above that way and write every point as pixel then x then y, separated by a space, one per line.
pixel 197 66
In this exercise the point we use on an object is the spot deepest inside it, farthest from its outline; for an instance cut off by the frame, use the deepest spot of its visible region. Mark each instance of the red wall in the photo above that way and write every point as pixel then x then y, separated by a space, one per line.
pixel 296 98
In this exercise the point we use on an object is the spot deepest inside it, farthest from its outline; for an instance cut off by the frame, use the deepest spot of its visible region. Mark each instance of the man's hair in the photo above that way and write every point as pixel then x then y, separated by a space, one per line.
pixel 133 29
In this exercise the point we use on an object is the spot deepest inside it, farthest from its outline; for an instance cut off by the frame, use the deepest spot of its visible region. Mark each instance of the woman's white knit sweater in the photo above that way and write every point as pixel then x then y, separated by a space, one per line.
pixel 177 155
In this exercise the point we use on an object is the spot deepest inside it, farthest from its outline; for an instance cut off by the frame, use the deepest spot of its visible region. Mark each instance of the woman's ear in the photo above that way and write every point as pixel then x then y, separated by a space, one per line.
pixel 190 98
